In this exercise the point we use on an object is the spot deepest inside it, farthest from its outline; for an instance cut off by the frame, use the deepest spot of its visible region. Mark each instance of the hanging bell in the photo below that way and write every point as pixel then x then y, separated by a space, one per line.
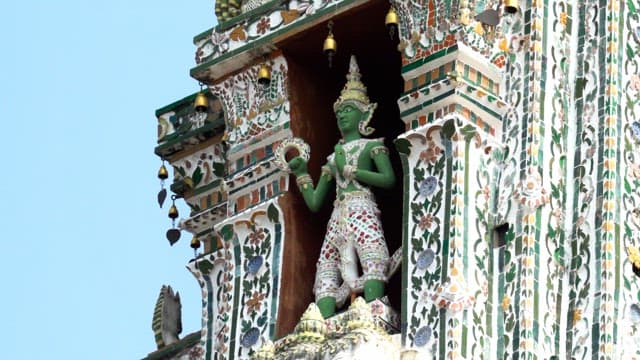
pixel 264 75
pixel 330 46
pixel 201 104
pixel 173 212
pixel 510 6
pixel 163 174
pixel 195 242
pixel 391 21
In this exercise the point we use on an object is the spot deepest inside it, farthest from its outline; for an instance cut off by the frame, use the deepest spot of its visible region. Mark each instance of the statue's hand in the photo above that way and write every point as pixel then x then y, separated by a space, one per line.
pixel 340 157
pixel 298 166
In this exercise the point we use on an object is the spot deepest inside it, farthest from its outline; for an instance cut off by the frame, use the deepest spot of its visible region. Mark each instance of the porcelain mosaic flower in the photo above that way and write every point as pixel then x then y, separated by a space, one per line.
pixel 428 186
pixel 431 154
pixel 255 302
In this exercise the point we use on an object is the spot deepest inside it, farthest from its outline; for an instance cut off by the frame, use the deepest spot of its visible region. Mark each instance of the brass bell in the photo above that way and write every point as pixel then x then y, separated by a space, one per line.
pixel 391 21
pixel 510 6
pixel 264 75
pixel 195 242
pixel 330 46
pixel 163 174
pixel 173 212
pixel 201 104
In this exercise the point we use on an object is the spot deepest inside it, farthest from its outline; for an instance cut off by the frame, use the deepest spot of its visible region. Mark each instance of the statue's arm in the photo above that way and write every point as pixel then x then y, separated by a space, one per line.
pixel 384 176
pixel 313 196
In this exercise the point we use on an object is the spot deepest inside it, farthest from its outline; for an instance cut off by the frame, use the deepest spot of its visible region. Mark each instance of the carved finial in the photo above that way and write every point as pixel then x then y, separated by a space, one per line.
pixel 354 70
pixel 167 317
pixel 311 324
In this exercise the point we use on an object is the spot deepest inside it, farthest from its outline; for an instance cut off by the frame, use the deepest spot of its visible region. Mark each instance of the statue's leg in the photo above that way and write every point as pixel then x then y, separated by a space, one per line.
pixel 372 251
pixel 373 289
pixel 328 272
pixel 327 306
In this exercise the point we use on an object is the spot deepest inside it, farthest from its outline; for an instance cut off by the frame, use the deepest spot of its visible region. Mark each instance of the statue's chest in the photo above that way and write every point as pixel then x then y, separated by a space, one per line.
pixel 353 150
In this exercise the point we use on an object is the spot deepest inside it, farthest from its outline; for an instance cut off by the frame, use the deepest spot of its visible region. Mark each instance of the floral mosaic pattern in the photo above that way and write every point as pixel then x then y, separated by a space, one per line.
pixel 447 261
pixel 251 109
pixel 427 173
pixel 256 285
pixel 629 332
pixel 215 274
pixel 200 169
pixel 238 284
pixel 450 22
pixel 257 236
pixel 555 182
pixel 277 18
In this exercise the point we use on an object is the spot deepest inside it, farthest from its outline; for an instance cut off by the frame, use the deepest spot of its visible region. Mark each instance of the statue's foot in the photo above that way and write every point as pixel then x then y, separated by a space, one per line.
pixel 327 306
pixel 373 289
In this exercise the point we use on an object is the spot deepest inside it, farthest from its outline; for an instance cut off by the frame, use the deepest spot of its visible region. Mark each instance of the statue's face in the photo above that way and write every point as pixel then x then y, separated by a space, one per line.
pixel 349 117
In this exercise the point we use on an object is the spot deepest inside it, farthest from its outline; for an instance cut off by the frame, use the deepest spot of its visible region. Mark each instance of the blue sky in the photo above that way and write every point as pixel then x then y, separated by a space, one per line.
pixel 83 250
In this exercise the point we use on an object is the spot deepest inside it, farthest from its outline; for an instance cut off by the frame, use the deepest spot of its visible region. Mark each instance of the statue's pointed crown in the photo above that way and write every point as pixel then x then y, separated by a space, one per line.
pixel 354 90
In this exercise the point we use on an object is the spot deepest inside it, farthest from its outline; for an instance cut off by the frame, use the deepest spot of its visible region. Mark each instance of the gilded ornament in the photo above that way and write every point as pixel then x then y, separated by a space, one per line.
pixel 173 212
pixel 510 6
pixel 195 243
pixel 201 103
pixel 264 75
pixel 163 174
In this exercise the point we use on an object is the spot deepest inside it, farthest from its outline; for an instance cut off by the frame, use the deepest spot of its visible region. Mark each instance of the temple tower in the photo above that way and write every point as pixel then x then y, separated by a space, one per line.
pixel 514 135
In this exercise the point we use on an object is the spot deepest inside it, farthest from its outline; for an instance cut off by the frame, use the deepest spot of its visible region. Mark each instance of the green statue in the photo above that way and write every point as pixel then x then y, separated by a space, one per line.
pixel 354 230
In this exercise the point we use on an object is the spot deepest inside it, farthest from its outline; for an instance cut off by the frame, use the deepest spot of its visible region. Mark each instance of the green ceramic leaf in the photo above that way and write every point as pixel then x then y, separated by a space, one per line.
pixel 581 83
pixel 448 128
pixel 403 146
pixel 205 266
pixel 558 256
pixel 227 232
pixel 248 252
pixel 246 325
pixel 469 131
pixel 273 214
pixel 262 320
pixel 509 324
pixel 218 169
pixel 197 176
pixel 507 257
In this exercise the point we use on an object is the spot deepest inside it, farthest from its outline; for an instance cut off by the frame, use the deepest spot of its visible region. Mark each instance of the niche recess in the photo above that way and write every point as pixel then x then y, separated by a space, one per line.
pixel 313 88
